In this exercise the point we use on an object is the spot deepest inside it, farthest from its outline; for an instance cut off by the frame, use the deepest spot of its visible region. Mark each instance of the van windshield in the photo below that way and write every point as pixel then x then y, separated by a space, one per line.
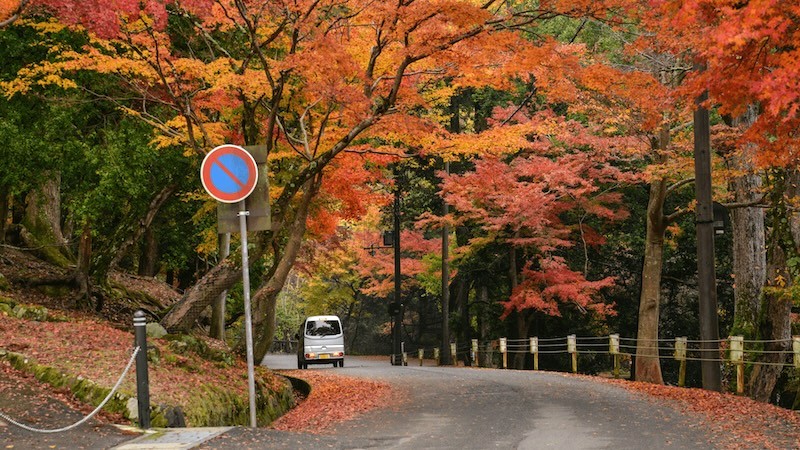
pixel 323 328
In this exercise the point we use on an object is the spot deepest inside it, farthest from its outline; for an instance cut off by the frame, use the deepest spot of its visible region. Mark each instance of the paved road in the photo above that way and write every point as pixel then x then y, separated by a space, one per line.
pixel 462 408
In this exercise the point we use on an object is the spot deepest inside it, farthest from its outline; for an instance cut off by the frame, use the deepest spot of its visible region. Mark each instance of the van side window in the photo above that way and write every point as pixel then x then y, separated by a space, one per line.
pixel 323 328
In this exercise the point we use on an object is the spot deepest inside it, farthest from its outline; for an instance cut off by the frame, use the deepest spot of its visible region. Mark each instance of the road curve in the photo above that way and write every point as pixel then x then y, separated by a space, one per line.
pixel 460 408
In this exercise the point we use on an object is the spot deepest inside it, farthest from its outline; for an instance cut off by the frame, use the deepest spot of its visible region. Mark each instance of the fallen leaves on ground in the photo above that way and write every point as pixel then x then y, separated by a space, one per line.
pixel 28 400
pixel 736 422
pixel 333 399
pixel 95 350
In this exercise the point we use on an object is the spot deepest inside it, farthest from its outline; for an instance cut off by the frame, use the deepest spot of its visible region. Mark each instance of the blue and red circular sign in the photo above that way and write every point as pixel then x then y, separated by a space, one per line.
pixel 229 173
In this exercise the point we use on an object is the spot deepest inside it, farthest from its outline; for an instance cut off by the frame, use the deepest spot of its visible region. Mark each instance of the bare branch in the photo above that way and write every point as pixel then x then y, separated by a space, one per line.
pixel 14 15
pixel 679 185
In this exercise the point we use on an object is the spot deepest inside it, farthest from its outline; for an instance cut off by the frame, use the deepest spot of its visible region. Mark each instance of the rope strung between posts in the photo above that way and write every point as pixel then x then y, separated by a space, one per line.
pixel 91 414
pixel 559 345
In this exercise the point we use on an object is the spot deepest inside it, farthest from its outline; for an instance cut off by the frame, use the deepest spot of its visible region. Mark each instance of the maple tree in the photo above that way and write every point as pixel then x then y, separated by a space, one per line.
pixel 203 73
pixel 10 11
pixel 749 55
pixel 522 202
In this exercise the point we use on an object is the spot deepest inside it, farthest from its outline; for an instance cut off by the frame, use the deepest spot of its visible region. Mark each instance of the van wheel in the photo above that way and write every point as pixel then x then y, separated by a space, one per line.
pixel 305 365
pixel 341 363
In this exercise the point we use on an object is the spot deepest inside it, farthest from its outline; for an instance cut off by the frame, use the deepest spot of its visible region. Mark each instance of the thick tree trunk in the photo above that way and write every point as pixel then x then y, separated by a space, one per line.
pixel 749 255
pixel 749 247
pixel 775 318
pixel 523 325
pixel 266 296
pixel 148 259
pixel 775 328
pixel 222 277
pixel 43 222
pixel 648 367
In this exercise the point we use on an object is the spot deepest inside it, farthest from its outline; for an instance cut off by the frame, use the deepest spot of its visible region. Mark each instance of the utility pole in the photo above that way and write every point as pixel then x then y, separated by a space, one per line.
pixel 446 356
pixel 397 348
pixel 706 275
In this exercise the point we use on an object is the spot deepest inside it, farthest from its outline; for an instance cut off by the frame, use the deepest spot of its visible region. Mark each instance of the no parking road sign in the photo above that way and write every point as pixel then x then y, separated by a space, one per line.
pixel 229 173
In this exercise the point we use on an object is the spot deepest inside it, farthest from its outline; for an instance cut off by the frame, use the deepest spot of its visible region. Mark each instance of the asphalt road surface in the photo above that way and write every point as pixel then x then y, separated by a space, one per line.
pixel 462 408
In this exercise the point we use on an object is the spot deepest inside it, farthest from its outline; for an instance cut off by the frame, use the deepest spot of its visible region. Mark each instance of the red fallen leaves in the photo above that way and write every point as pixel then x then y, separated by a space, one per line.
pixel 333 399
pixel 27 399
pixel 97 351
pixel 736 422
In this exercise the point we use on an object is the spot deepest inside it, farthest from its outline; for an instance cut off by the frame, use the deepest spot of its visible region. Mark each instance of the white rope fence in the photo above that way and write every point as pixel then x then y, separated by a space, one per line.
pixel 734 350
pixel 92 414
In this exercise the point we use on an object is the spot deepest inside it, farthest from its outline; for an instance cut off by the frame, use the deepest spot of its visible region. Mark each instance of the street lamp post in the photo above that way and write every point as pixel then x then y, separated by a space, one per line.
pixel 392 240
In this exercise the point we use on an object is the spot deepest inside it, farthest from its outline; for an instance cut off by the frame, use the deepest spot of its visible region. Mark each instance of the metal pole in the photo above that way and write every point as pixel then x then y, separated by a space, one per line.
pixel 142 380
pixel 445 282
pixel 706 276
pixel 248 322
pixel 398 321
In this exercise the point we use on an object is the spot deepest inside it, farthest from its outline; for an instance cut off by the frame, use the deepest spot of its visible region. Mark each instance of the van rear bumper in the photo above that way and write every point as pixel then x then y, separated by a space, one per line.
pixel 324 360
pixel 322 357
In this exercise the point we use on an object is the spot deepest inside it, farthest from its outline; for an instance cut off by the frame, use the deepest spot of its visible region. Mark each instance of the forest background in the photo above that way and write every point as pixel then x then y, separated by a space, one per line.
pixel 541 155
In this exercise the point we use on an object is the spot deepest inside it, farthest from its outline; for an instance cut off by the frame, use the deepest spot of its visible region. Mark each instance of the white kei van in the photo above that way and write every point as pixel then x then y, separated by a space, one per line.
pixel 321 341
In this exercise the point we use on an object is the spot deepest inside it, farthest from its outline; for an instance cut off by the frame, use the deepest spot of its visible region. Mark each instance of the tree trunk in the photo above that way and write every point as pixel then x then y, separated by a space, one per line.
pixel 82 278
pixel 775 319
pixel 218 306
pixel 43 222
pixel 144 224
pixel 520 316
pixel 775 328
pixel 463 310
pixel 483 326
pixel 148 259
pixel 648 367
pixel 749 247
pixel 265 298
pixel 523 324
pixel 749 256
pixel 197 298
pixel 4 204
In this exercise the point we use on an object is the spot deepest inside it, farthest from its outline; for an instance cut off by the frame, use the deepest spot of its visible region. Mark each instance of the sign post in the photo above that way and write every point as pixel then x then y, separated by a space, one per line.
pixel 229 174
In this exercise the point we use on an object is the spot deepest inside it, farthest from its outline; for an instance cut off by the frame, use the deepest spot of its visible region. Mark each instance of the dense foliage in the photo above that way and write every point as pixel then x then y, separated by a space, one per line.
pixel 532 133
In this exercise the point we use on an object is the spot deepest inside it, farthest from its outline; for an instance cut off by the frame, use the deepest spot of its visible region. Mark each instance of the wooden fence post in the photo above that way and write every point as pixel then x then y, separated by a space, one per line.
pixel 613 348
pixel 680 355
pixel 436 355
pixel 453 355
pixel 572 348
pixel 737 358
pixel 534 344
pixel 504 351
pixel 421 353
pixel 796 350
pixel 474 355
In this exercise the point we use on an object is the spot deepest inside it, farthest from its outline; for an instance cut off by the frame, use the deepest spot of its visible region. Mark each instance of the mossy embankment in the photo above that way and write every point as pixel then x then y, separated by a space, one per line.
pixel 193 381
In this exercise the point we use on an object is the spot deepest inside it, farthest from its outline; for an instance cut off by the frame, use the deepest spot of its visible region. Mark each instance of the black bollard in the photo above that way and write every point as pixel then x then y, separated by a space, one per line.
pixel 142 381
